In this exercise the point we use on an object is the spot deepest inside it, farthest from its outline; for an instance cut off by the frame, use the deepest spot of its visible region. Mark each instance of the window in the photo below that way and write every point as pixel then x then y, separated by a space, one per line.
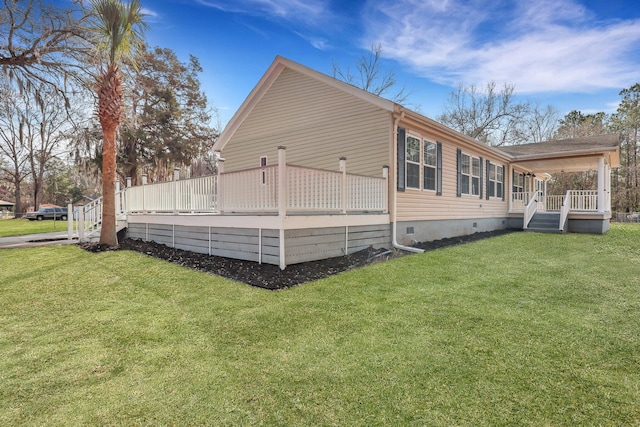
pixel 430 164
pixel 496 181
pixel 492 180
pixel 518 182
pixel 500 181
pixel 263 164
pixel 475 176
pixel 465 172
pixel 413 162
pixel 419 163
pixel 469 175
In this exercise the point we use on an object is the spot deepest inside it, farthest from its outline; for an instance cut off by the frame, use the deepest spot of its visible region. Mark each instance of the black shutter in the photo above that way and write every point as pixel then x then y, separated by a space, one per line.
pixel 488 168
pixel 401 158
pixel 459 173
pixel 439 169
pixel 481 177
pixel 504 182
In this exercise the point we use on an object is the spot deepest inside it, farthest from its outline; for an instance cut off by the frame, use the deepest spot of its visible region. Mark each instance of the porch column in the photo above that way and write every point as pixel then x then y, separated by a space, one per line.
pixel 607 187
pixel 601 184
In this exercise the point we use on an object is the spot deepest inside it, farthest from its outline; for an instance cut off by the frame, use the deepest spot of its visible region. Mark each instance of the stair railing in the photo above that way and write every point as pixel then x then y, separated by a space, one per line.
pixel 564 211
pixel 531 208
pixel 90 215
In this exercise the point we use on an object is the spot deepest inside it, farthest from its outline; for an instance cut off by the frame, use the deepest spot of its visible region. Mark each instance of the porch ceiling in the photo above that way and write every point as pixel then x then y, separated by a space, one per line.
pixel 561 164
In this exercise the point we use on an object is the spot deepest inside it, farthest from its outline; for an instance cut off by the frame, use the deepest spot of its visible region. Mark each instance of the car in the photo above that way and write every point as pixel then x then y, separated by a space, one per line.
pixel 48 213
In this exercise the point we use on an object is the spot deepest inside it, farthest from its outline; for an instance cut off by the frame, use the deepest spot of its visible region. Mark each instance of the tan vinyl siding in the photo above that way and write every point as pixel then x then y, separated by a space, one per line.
pixel 317 123
pixel 415 205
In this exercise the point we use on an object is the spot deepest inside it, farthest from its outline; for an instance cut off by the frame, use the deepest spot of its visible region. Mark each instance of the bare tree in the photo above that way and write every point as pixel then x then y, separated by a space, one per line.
pixel 41 43
pixel 43 121
pixel 541 124
pixel 488 115
pixel 13 146
pixel 369 75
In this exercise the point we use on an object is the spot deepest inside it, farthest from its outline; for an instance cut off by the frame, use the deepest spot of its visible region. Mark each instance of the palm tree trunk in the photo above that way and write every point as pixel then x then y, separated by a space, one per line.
pixel 108 234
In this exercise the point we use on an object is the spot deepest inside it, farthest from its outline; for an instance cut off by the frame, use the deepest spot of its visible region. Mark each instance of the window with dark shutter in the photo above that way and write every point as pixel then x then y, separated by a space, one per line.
pixel 481 177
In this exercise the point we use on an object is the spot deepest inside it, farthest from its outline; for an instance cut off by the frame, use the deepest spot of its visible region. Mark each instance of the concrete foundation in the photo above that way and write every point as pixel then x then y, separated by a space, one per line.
pixel 589 226
pixel 409 232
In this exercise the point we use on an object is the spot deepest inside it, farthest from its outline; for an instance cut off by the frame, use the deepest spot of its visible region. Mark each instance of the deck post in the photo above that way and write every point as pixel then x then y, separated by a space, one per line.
pixel 282 200
pixel 117 198
pixel 601 185
pixel 176 178
pixel 343 185
pixel 81 224
pixel 220 187
pixel 144 182
pixel 128 182
pixel 70 220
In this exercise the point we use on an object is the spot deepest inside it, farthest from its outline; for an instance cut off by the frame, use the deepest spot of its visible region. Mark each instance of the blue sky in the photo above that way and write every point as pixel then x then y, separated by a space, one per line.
pixel 572 54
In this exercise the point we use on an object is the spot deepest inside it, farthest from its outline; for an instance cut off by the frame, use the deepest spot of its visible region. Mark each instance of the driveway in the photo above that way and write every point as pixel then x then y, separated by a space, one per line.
pixel 42 239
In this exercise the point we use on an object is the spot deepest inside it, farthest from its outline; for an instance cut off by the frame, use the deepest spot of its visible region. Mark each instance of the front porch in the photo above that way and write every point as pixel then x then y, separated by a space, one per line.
pixel 586 211
pixel 576 211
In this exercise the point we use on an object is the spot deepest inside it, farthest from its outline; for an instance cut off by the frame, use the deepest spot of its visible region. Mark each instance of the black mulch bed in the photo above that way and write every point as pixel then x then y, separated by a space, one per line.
pixel 270 276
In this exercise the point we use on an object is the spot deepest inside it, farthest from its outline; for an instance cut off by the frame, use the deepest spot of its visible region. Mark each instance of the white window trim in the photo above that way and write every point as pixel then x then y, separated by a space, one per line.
pixel 421 164
pixel 470 174
pixel 424 165
pixel 407 161
pixel 495 180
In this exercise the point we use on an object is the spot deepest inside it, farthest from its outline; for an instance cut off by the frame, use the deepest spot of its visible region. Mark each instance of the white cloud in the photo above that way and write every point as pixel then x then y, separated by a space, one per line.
pixel 540 46
pixel 308 12
pixel 150 15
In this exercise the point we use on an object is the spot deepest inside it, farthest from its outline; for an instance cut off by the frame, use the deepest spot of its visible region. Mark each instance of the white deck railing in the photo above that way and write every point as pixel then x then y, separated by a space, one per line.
pixel 257 190
pixel 250 190
pixel 576 201
pixel 553 203
pixel 520 199
pixel 583 200
pixel 189 195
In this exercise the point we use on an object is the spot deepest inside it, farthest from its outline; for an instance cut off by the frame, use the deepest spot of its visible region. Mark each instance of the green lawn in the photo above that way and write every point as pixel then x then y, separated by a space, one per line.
pixel 18 227
pixel 521 329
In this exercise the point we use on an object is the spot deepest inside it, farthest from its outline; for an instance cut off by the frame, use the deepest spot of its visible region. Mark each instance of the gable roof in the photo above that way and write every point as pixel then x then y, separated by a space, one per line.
pixel 278 65
pixel 569 155
pixel 581 145
pixel 560 150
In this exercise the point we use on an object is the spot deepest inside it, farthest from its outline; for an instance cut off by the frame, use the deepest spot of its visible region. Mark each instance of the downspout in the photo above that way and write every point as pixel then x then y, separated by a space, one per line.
pixel 394 233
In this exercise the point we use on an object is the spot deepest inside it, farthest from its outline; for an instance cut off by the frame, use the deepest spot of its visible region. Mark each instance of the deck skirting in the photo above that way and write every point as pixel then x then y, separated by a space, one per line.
pixel 251 242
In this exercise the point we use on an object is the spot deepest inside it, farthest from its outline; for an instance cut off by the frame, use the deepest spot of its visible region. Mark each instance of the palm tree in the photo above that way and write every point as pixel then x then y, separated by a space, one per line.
pixel 119 30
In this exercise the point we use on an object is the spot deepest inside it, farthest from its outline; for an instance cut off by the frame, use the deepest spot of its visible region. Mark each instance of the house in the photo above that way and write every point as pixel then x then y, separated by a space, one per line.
pixel 311 167
pixel 6 209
